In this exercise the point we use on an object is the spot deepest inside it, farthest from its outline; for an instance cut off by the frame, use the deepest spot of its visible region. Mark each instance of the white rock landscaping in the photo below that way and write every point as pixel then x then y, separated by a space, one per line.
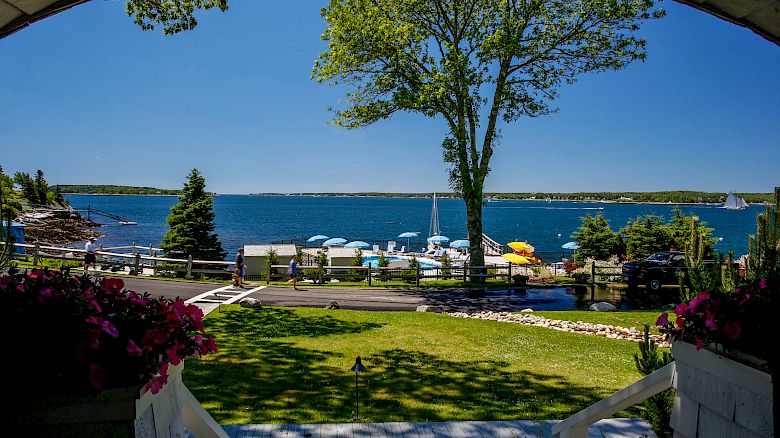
pixel 587 328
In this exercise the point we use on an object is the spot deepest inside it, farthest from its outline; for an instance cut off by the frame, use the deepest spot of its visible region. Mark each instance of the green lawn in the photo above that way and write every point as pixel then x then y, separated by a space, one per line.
pixel 292 365
pixel 626 318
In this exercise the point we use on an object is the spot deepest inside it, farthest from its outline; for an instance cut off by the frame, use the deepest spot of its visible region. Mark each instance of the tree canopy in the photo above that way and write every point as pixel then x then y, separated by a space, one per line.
pixel 191 223
pixel 173 15
pixel 596 239
pixel 471 63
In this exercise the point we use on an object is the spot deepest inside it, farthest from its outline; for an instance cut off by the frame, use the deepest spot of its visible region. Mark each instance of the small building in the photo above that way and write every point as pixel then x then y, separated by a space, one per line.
pixel 341 256
pixel 17 232
pixel 256 257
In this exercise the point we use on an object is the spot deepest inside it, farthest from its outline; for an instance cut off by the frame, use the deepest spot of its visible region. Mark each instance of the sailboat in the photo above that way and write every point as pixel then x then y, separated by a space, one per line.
pixel 734 202
pixel 433 228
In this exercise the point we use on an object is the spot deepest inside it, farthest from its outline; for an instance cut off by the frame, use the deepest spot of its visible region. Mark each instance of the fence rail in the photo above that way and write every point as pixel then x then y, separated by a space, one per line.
pixel 136 261
pixel 371 275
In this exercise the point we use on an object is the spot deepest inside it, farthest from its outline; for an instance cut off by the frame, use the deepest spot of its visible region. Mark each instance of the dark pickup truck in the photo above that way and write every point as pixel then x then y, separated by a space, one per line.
pixel 655 271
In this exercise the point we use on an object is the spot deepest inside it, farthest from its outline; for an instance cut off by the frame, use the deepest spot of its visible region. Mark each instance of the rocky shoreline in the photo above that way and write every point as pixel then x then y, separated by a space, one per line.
pixel 56 227
pixel 586 328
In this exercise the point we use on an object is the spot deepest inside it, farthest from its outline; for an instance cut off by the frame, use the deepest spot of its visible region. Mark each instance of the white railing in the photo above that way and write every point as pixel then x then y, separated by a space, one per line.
pixel 135 259
pixel 576 426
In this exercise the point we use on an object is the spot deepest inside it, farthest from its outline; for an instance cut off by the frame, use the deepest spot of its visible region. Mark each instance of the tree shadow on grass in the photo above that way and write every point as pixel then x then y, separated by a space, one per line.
pixel 279 323
pixel 282 383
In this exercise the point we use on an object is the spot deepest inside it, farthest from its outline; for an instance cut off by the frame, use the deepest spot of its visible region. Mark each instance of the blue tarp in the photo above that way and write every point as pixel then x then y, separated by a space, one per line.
pixel 17 231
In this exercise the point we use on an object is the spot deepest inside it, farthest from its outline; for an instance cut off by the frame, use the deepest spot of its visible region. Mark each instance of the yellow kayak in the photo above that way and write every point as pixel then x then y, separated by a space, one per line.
pixel 516 259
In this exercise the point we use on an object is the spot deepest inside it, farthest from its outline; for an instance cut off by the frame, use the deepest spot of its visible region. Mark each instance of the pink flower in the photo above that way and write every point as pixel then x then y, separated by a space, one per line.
pixel 698 300
pixel 179 308
pixel 46 292
pixel 156 383
pixel 663 319
pixel 195 315
pixel 110 329
pixel 710 322
pixel 94 306
pixel 763 283
pixel 681 309
pixel 5 280
pixel 37 273
pixel 133 350
pixel 155 336
pixel 173 354
pixel 114 285
pixel 732 330
pixel 679 322
pixel 96 375
pixel 211 345
pixel 699 343
pixel 745 299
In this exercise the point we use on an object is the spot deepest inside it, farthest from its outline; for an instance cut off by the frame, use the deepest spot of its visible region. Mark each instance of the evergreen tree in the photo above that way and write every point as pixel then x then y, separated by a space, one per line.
pixel 191 223
pixel 680 229
pixel 28 187
pixel 645 236
pixel 596 239
pixel 41 188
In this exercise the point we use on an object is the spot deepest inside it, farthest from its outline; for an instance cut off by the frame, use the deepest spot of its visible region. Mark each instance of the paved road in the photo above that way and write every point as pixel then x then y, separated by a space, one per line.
pixel 350 298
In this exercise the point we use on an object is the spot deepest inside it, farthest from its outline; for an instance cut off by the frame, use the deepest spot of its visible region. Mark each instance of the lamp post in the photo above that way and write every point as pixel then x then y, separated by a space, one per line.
pixel 357 368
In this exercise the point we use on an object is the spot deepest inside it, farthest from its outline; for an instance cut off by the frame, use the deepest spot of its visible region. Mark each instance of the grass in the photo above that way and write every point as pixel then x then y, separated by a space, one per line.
pixel 626 318
pixel 281 365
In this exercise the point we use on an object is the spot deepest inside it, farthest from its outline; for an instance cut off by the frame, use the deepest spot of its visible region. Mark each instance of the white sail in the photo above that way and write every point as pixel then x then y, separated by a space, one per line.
pixel 734 202
pixel 433 229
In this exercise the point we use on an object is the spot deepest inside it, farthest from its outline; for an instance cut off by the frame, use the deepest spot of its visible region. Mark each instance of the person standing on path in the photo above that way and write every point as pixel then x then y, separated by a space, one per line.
pixel 293 272
pixel 90 258
pixel 239 268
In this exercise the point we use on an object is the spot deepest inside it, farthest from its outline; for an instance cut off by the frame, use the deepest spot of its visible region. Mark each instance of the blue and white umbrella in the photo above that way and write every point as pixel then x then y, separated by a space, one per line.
pixel 357 244
pixel 438 239
pixel 463 243
pixel 408 235
pixel 570 245
pixel 336 241
pixel 317 237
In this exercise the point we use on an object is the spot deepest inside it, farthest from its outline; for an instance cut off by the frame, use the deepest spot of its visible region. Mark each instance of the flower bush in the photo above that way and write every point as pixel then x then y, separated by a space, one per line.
pixel 736 320
pixel 71 334
pixel 737 312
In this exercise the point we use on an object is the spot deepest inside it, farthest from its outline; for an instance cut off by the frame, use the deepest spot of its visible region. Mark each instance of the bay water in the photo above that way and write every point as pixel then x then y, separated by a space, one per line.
pixel 246 219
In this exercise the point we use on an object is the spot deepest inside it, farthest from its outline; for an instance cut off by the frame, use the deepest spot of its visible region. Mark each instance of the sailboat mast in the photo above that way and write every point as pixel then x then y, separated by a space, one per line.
pixel 433 228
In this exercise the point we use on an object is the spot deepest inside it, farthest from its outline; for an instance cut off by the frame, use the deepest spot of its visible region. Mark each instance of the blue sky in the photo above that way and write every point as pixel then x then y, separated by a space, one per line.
pixel 92 99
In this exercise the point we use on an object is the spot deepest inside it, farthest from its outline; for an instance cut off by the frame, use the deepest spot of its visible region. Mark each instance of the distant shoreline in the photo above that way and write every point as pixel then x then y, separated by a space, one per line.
pixel 488 201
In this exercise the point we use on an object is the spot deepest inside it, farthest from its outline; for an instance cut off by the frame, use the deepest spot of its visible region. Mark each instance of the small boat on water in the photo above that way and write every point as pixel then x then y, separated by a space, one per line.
pixel 734 202
pixel 128 223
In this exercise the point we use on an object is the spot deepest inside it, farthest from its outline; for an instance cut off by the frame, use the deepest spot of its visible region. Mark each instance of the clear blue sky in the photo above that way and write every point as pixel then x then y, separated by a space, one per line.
pixel 91 99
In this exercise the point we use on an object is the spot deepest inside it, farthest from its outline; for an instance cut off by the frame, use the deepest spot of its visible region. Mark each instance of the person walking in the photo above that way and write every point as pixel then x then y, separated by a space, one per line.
pixel 90 257
pixel 293 270
pixel 239 281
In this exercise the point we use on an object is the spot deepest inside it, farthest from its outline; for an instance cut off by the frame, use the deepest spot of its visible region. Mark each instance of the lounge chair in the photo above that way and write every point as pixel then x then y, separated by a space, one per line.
pixel 390 246
pixel 403 249
pixel 375 248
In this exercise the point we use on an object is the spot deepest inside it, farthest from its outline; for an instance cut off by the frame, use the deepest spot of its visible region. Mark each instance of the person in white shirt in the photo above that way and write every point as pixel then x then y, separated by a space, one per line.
pixel 90 257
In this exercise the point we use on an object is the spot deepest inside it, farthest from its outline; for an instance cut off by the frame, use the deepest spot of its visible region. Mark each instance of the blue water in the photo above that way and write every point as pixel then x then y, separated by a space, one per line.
pixel 373 261
pixel 242 219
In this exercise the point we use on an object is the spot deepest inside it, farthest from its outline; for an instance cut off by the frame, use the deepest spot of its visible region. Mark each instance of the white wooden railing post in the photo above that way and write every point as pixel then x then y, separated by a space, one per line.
pixel 576 426
pixel 189 267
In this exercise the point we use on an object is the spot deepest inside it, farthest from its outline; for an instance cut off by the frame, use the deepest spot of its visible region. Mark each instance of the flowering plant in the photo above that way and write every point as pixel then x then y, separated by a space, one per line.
pixel 70 333
pixel 734 311
pixel 735 320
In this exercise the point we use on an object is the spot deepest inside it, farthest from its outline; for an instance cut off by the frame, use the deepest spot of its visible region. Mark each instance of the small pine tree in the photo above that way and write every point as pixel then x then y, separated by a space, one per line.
pixel 658 408
pixel 446 264
pixel 646 235
pixel 41 188
pixel 191 223
pixel 383 262
pixel 273 259
pixel 28 187
pixel 357 261
pixel 596 239
pixel 322 262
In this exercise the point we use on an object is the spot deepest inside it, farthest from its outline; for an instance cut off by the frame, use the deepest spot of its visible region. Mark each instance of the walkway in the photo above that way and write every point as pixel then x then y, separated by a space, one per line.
pixel 610 428
pixel 450 300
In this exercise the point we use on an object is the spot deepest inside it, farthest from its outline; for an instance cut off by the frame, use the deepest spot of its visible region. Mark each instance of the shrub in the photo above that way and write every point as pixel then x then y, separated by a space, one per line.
pixel 75 334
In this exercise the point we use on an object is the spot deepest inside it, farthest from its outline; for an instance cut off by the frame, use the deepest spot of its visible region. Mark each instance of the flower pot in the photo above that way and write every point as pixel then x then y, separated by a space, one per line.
pixel 718 396
pixel 117 412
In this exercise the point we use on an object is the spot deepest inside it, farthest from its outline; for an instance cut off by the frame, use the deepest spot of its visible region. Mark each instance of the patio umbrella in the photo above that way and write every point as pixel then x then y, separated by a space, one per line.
pixel 459 243
pixel 408 235
pixel 317 237
pixel 357 244
pixel 438 239
pixel 336 241
pixel 521 246
pixel 516 259
pixel 570 245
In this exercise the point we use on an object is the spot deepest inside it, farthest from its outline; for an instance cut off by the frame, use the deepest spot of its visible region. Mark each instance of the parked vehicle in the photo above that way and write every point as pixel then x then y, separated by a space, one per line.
pixel 655 271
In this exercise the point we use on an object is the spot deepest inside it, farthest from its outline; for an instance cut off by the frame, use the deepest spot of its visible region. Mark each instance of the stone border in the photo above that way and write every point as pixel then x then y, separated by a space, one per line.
pixel 585 328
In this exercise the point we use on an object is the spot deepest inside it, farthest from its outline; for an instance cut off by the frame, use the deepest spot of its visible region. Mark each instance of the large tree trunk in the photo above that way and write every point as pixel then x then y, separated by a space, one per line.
pixel 474 223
